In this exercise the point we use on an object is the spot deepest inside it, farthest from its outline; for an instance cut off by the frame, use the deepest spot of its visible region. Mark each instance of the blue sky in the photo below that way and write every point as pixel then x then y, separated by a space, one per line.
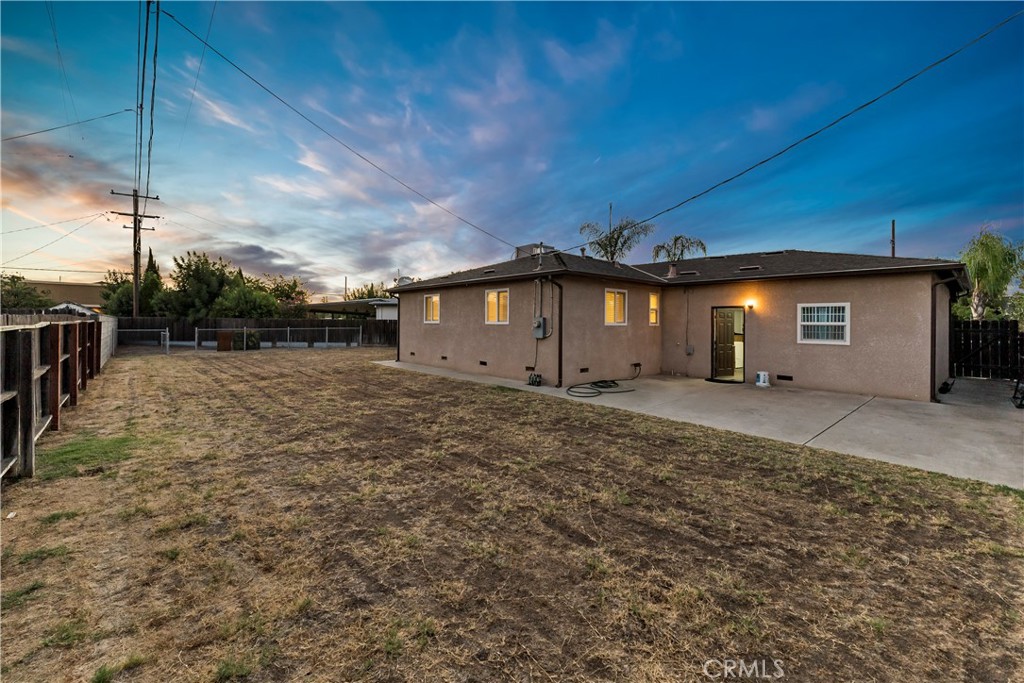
pixel 526 119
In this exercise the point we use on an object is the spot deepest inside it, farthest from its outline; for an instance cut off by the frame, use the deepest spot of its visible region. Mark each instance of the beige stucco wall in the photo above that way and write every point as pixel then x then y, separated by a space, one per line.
pixel 890 333
pixel 461 340
pixel 942 298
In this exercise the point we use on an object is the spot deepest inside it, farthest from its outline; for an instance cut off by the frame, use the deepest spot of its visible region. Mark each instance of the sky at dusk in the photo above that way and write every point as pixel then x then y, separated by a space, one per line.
pixel 526 119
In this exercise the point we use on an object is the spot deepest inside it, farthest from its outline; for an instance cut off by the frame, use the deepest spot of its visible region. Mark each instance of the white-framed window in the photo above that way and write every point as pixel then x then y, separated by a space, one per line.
pixel 496 307
pixel 654 316
pixel 431 308
pixel 823 323
pixel 614 307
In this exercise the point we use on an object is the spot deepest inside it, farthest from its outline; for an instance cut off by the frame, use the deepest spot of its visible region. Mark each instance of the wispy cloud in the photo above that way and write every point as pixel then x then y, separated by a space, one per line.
pixel 592 60
pixel 808 99
pixel 222 112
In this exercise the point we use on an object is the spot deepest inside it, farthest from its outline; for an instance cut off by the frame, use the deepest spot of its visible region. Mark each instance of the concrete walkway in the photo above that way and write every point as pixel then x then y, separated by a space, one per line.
pixel 975 433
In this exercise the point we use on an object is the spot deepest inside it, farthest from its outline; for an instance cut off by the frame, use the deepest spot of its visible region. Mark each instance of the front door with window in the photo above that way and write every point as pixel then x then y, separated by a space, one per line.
pixel 727 341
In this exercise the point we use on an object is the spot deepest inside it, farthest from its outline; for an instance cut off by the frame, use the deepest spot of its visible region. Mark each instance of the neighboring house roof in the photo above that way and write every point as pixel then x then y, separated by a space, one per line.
pixel 699 271
pixel 352 306
pixel 529 267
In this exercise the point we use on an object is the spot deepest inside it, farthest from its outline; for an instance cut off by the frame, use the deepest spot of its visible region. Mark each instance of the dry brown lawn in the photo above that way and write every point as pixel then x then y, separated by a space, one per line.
pixel 313 516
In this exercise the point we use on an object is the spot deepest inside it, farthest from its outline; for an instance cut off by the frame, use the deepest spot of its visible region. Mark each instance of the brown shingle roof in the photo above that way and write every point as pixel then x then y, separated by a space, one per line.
pixel 529 267
pixel 695 271
pixel 792 263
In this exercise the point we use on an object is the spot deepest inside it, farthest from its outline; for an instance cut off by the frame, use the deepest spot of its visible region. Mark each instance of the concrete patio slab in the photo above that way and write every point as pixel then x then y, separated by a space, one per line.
pixel 975 433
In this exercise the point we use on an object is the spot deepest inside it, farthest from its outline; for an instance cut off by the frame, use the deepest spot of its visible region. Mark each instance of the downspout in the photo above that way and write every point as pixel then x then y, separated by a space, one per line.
pixel 561 301
pixel 933 395
pixel 398 332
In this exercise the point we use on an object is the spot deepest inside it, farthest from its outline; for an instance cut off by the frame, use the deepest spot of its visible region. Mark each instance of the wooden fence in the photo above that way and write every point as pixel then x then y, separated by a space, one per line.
pixel 986 348
pixel 375 332
pixel 46 365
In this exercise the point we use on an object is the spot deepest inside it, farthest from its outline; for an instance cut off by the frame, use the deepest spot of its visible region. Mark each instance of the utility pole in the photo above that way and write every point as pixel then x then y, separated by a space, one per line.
pixel 137 229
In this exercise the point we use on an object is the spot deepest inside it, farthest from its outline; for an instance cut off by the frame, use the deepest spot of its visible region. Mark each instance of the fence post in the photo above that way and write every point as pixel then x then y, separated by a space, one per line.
pixel 26 406
pixel 167 339
pixel 197 338
pixel 53 385
pixel 245 337
pixel 360 336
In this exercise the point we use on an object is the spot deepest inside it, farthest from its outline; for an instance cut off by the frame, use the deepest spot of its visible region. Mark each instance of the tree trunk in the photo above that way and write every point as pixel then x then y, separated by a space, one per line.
pixel 977 302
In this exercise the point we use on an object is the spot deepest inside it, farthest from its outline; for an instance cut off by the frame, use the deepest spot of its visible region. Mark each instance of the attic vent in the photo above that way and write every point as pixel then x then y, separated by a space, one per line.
pixel 488 271
pixel 689 272
pixel 713 257
pixel 772 253
pixel 742 268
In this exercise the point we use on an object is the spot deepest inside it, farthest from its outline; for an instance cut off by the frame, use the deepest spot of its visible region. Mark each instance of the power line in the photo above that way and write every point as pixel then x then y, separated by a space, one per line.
pixel 72 232
pixel 195 84
pixel 46 225
pixel 66 125
pixel 52 15
pixel 152 107
pixel 807 137
pixel 142 99
pixel 336 139
pixel 52 270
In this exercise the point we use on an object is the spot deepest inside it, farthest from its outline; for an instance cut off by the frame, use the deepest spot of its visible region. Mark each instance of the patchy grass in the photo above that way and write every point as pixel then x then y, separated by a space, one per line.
pixel 40 554
pixel 310 515
pixel 55 517
pixel 19 596
pixel 86 454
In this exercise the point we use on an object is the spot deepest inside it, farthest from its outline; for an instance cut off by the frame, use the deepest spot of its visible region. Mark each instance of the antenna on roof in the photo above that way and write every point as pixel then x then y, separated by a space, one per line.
pixel 892 240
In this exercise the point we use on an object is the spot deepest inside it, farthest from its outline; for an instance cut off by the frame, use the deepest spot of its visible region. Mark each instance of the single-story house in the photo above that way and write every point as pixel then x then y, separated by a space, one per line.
pixel 378 308
pixel 842 322
pixel 88 294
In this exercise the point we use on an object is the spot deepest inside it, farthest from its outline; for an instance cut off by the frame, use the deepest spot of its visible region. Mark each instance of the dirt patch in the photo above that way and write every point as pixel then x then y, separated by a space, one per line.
pixel 309 515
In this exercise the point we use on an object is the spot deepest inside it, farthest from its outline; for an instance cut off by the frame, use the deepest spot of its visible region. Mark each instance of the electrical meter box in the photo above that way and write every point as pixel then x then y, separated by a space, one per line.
pixel 540 328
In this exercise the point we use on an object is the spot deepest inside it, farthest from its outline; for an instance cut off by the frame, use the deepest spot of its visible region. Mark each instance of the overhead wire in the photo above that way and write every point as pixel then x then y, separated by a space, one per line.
pixel 46 225
pixel 66 125
pixel 52 16
pixel 195 84
pixel 817 132
pixel 335 138
pixel 52 270
pixel 142 100
pixel 152 108
pixel 67 234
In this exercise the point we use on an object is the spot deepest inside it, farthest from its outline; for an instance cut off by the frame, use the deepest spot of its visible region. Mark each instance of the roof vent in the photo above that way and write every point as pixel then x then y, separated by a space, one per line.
pixel 713 257
pixel 488 271
pixel 743 268
pixel 772 253
pixel 689 272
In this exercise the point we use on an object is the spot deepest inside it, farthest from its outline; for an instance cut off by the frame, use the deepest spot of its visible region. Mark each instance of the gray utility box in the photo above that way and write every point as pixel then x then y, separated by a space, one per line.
pixel 540 328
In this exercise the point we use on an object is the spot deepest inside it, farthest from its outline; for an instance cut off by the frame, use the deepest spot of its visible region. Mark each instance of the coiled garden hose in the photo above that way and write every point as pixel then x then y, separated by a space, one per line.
pixel 601 386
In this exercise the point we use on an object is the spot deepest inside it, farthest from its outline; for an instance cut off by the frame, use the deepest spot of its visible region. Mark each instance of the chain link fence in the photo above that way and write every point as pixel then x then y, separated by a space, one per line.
pixel 255 338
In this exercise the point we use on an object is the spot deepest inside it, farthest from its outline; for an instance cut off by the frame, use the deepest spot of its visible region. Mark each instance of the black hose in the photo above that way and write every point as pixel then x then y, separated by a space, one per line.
pixel 601 386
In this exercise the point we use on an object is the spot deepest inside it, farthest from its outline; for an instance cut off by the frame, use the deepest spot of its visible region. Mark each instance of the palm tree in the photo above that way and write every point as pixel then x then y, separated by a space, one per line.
pixel 677 248
pixel 615 243
pixel 992 261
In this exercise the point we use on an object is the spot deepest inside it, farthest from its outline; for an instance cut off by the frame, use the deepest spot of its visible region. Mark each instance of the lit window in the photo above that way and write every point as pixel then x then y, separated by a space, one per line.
pixel 432 308
pixel 614 307
pixel 497 307
pixel 655 308
pixel 823 323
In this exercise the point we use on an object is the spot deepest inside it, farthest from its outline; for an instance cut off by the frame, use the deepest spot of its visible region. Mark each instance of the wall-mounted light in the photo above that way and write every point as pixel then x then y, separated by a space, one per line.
pixel 750 304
